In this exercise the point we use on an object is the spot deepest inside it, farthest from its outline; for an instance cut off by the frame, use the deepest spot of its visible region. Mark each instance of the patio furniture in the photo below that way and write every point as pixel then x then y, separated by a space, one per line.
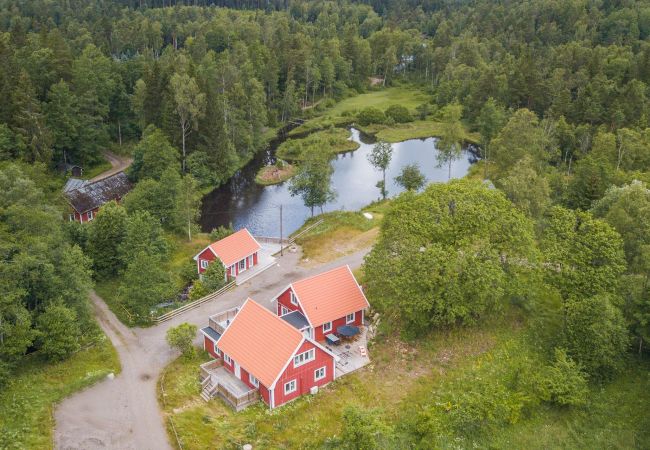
pixel 332 339
pixel 347 330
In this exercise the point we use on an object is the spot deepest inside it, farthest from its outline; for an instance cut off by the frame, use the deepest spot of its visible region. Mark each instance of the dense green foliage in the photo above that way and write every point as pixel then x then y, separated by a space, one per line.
pixel 181 337
pixel 44 278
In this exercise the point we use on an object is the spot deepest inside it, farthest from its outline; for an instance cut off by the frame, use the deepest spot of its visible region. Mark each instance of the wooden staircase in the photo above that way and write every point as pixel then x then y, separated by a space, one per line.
pixel 208 389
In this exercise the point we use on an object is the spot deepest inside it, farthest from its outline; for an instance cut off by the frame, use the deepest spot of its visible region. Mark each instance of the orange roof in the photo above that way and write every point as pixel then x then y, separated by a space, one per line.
pixel 235 247
pixel 330 295
pixel 260 342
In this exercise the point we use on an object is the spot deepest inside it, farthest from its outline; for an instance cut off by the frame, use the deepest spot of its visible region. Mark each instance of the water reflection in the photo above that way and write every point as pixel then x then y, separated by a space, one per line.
pixel 243 203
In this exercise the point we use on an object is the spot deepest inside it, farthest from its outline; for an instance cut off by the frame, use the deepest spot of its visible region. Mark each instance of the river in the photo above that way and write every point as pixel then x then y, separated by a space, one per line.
pixel 243 203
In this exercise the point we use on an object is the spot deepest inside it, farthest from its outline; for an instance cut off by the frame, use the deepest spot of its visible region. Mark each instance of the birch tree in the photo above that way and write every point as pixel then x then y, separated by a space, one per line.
pixel 190 106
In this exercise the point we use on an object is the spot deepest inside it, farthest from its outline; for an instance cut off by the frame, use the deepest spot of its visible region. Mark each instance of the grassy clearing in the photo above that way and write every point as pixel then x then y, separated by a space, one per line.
pixel 344 111
pixel 340 234
pixel 418 129
pixel 179 265
pixel 26 405
pixel 397 371
pixel 269 175
pixel 93 171
pixel 334 140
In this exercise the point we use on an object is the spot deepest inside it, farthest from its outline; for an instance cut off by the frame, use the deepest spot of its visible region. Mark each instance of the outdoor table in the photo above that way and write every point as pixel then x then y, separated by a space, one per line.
pixel 332 339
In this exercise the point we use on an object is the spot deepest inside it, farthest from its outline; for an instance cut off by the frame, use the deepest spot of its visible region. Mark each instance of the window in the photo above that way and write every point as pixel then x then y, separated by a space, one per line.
pixel 217 350
pixel 327 327
pixel 204 264
pixel 319 374
pixel 71 217
pixel 304 358
pixel 294 299
pixel 90 215
pixel 349 318
pixel 242 264
pixel 227 359
pixel 254 381
pixel 283 310
pixel 290 387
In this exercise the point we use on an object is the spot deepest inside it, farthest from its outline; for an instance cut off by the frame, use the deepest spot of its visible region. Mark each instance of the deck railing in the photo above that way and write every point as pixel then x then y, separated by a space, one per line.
pixel 208 367
pixel 215 321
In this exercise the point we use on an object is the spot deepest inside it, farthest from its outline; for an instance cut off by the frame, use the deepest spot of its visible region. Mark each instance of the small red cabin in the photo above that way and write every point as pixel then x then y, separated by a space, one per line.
pixel 86 198
pixel 259 353
pixel 318 305
pixel 237 252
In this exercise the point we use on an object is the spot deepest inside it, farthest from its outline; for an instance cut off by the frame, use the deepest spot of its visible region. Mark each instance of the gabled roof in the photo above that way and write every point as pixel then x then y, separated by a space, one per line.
pixel 260 342
pixel 94 195
pixel 74 183
pixel 329 295
pixel 233 248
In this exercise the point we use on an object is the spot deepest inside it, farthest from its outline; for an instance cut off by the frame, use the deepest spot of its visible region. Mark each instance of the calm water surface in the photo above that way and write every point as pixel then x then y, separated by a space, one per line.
pixel 243 203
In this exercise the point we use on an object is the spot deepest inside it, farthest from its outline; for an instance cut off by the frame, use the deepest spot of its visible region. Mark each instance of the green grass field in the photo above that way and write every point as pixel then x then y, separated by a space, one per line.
pixel 333 140
pixel 27 403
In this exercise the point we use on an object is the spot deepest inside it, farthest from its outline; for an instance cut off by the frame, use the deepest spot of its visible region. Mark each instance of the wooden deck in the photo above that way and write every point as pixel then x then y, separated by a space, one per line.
pixel 219 381
pixel 220 321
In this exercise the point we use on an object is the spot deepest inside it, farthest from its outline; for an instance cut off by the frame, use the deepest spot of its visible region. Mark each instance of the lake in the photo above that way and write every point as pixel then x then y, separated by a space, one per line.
pixel 243 203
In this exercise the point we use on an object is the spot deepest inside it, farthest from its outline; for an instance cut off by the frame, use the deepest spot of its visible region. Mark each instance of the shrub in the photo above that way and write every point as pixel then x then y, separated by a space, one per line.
pixel 221 232
pixel 564 382
pixel 399 113
pixel 60 330
pixel 181 337
pixel 370 115
pixel 423 110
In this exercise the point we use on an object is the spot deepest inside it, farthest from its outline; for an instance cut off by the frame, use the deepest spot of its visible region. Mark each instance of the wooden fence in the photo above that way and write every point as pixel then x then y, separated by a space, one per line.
pixel 171 314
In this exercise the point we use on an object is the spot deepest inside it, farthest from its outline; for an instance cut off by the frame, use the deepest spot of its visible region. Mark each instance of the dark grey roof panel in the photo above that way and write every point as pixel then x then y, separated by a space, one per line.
pixel 212 333
pixel 296 319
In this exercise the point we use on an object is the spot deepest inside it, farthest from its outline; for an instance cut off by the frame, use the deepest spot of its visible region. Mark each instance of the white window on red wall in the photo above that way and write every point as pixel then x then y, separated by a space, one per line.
pixel 290 387
pixel 304 358
pixel 204 264
pixel 294 299
pixel 89 215
pixel 327 327
pixel 320 373
pixel 349 318
pixel 254 381
pixel 227 359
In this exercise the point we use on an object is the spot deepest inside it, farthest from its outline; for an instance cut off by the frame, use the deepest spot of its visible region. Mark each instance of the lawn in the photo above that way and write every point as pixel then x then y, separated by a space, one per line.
pixel 343 111
pixel 27 403
pixel 179 265
pixel 334 140
pixel 418 129
pixel 96 169
pixel 340 234
pixel 398 370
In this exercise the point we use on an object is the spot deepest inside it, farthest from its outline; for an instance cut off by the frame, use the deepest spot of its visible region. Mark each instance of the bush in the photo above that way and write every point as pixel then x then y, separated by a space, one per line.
pixel 221 232
pixel 423 111
pixel 399 113
pixel 370 115
pixel 564 382
pixel 60 332
pixel 181 338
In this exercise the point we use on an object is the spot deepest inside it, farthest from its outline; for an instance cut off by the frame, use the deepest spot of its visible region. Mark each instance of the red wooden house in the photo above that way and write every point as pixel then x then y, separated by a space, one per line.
pixel 318 305
pixel 237 252
pixel 86 198
pixel 257 354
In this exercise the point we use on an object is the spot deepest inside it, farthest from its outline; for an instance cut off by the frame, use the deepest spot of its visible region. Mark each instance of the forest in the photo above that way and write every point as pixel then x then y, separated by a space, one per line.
pixel 556 91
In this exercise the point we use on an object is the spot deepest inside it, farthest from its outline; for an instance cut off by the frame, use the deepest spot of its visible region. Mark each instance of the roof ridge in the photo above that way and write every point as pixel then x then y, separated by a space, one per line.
pixel 275 317
pixel 321 274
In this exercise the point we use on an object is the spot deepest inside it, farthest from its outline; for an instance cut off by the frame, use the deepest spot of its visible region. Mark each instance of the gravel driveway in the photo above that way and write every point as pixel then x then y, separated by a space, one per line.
pixel 123 413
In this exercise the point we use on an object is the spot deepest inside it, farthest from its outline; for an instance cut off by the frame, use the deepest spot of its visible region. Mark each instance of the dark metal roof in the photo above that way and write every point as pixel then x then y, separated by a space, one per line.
pixel 296 320
pixel 94 195
pixel 74 183
pixel 212 333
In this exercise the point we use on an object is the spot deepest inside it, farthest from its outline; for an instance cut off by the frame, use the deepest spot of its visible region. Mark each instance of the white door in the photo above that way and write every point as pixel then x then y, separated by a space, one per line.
pixel 237 370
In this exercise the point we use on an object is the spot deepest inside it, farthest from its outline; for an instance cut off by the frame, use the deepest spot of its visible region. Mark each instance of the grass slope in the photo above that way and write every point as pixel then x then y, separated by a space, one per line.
pixel 334 140
pixel 27 403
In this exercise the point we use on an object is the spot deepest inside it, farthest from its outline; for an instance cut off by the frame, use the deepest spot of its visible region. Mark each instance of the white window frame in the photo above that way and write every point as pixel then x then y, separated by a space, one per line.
pixel 90 215
pixel 284 310
pixel 350 317
pixel 304 358
pixel 292 387
pixel 71 217
pixel 317 371
pixel 227 359
pixel 204 263
pixel 293 298
pixel 327 327
pixel 216 350
pixel 254 381
pixel 241 269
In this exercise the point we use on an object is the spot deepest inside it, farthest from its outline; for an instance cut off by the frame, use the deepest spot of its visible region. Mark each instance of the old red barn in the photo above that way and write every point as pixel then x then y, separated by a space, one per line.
pixel 86 198
pixel 318 305
pixel 257 354
pixel 237 252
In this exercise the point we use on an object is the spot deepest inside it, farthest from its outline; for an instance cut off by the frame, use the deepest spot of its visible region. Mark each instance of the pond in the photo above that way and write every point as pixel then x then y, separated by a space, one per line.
pixel 243 203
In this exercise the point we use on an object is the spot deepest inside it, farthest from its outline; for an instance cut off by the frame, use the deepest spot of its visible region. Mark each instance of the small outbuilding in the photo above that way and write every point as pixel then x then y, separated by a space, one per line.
pixel 237 252
pixel 86 198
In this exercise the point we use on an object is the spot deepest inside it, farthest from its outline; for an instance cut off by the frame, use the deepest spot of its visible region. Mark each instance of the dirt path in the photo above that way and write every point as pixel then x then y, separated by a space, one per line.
pixel 118 163
pixel 123 413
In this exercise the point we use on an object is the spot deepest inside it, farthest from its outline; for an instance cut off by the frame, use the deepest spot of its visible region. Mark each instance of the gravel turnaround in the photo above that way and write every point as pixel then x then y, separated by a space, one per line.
pixel 123 413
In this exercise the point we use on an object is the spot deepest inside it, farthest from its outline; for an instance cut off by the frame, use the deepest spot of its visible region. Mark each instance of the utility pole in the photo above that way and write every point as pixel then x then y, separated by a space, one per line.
pixel 281 243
